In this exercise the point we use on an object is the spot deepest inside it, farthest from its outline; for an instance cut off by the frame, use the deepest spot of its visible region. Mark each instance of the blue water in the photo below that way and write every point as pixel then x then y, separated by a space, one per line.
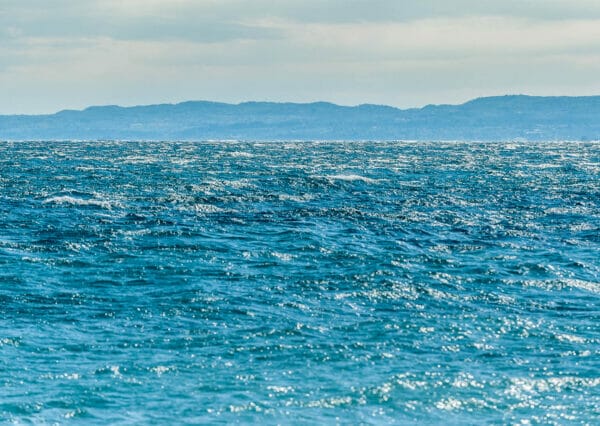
pixel 174 283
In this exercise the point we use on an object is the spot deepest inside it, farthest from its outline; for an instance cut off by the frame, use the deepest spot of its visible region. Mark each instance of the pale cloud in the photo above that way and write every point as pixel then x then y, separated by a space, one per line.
pixel 458 37
pixel 80 52
pixel 125 20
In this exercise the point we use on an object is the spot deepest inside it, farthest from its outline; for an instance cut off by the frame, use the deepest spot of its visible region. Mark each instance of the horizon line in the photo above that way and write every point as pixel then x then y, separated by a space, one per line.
pixel 515 95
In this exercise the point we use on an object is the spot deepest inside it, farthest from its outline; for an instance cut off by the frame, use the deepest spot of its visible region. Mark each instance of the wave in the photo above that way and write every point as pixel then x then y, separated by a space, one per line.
pixel 74 201
pixel 353 178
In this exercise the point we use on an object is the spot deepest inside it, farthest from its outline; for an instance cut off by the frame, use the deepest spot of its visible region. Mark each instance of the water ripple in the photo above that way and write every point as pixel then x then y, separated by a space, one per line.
pixel 313 282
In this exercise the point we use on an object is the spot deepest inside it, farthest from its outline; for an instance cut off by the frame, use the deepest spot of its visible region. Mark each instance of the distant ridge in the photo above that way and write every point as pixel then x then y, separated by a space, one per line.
pixel 507 117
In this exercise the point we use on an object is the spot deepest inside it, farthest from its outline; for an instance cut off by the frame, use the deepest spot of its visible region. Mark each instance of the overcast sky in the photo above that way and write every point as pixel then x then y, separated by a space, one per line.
pixel 57 54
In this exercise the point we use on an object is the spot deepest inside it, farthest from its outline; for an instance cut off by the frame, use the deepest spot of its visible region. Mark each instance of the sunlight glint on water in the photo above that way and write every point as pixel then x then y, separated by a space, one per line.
pixel 364 282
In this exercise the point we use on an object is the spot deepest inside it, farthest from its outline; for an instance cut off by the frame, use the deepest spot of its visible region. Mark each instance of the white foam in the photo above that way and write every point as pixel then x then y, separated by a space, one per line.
pixel 285 257
pixel 160 370
pixel 297 198
pixel 353 178
pixel 115 369
pixel 206 208
pixel 241 154
pixel 74 201
pixel 239 183
pixel 141 159
pixel 593 287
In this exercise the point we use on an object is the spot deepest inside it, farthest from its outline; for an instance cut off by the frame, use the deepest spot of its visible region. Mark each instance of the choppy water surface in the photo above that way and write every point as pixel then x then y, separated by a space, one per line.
pixel 299 282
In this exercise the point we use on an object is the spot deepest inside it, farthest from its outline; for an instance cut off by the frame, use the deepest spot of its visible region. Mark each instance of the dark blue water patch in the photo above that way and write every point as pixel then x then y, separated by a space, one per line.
pixel 370 282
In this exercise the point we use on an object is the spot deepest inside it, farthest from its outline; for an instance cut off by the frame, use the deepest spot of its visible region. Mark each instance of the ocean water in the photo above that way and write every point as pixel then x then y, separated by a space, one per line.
pixel 350 282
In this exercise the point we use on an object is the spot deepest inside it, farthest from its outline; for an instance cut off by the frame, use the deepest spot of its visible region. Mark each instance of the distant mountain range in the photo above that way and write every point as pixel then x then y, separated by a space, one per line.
pixel 492 118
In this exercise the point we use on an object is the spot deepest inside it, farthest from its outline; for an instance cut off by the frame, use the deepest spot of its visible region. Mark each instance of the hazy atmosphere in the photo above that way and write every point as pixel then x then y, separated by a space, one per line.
pixel 74 53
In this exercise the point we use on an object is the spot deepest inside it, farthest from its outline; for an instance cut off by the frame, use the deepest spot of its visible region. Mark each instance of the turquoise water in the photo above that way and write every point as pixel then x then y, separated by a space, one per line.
pixel 174 283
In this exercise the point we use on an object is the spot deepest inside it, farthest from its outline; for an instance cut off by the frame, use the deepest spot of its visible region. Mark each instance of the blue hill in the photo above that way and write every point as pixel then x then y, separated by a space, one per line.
pixel 491 118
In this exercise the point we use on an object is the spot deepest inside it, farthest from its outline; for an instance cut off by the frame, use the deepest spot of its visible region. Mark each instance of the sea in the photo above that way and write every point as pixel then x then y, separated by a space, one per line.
pixel 299 282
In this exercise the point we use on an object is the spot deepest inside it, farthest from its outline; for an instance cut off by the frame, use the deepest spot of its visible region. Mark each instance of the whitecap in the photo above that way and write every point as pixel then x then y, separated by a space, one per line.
pixel 161 369
pixel 352 178
pixel 241 154
pixel 239 183
pixel 296 198
pixel 74 201
pixel 285 257
pixel 141 159
pixel 593 287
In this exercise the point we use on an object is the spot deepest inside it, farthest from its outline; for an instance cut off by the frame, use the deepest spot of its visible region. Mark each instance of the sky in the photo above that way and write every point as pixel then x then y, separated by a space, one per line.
pixel 69 54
